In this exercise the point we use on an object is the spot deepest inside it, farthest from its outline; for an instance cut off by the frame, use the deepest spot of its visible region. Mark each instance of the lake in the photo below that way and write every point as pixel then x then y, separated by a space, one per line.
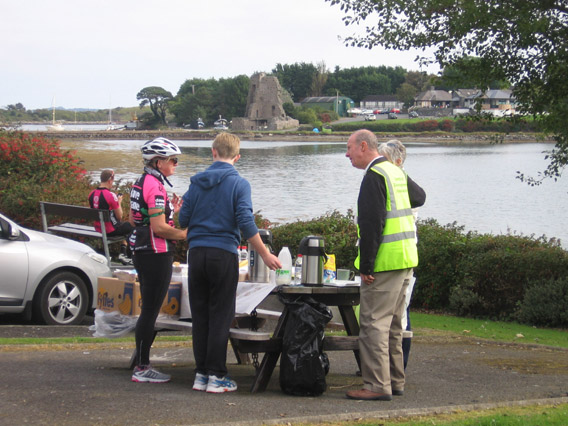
pixel 473 185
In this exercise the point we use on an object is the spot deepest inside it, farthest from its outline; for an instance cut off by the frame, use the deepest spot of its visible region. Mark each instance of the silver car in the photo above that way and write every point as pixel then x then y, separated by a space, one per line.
pixel 51 278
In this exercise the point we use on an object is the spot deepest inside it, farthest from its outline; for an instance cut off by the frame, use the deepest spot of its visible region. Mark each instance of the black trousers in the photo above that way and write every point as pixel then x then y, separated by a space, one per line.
pixel 154 273
pixel 213 278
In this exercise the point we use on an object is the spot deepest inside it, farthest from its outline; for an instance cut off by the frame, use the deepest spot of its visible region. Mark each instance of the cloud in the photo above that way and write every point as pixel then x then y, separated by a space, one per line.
pixel 100 54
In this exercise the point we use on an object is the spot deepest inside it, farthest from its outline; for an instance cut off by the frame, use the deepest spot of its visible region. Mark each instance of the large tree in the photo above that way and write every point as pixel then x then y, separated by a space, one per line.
pixel 524 42
pixel 157 98
pixel 296 78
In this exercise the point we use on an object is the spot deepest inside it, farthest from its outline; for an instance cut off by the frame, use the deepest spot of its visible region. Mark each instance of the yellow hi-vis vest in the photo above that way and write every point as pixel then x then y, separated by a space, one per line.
pixel 398 242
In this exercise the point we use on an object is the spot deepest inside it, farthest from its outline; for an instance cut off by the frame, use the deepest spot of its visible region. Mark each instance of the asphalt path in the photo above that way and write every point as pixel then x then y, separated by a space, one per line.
pixel 89 384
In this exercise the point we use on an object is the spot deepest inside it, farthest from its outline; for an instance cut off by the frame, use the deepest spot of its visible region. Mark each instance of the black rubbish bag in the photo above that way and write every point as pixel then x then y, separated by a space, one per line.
pixel 303 365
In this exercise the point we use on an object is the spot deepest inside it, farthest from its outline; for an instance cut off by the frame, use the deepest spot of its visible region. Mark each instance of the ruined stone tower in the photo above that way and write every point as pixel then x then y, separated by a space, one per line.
pixel 264 106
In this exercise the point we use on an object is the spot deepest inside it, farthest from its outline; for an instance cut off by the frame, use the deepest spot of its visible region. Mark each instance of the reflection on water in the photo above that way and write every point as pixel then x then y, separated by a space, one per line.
pixel 472 185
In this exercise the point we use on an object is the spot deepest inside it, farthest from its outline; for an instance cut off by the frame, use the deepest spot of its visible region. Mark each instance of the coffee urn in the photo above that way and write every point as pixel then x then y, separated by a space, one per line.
pixel 313 259
pixel 258 271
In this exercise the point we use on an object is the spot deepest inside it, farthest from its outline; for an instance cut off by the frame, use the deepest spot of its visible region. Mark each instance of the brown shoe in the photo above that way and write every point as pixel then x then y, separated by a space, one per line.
pixel 368 395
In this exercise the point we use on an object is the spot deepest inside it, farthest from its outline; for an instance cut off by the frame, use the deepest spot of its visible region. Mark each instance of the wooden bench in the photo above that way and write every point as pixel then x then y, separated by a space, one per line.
pixel 243 340
pixel 78 228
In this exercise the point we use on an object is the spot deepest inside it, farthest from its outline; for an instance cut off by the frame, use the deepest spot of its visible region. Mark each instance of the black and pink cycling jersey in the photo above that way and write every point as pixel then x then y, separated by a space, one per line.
pixel 147 193
pixel 104 199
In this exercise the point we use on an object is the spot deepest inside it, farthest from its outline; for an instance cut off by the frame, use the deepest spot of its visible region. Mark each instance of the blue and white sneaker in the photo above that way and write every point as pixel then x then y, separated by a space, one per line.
pixel 149 375
pixel 221 384
pixel 200 382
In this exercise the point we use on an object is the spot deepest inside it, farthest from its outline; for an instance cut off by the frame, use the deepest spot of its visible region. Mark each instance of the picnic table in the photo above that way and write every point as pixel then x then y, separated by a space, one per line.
pixel 344 297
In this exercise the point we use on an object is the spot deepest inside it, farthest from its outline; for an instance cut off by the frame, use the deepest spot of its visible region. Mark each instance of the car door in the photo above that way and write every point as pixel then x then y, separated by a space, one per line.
pixel 14 266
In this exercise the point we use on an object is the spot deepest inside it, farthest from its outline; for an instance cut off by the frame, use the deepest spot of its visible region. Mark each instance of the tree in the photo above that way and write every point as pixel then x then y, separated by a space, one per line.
pixel 524 42
pixel 157 98
pixel 406 94
pixel 296 79
pixel 16 107
pixel 419 80
pixel 319 79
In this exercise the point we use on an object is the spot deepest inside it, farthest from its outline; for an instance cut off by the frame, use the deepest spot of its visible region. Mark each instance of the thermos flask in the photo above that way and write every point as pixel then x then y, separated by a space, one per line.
pixel 258 271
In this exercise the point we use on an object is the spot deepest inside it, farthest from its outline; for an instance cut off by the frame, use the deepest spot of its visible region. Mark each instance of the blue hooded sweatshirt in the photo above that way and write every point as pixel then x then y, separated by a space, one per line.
pixel 216 206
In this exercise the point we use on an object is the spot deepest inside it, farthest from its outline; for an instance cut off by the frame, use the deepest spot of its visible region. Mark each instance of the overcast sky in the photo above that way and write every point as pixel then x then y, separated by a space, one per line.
pixel 99 54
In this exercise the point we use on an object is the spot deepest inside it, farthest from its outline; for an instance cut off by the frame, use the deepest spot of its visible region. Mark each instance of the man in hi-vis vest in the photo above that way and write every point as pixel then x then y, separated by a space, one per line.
pixel 386 255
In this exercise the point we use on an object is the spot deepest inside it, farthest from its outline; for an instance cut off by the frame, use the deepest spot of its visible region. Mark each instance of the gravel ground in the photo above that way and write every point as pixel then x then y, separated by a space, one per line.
pixel 89 384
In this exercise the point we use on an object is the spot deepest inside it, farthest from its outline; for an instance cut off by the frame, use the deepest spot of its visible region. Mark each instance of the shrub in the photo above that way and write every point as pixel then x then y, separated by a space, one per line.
pixel 34 168
pixel 446 125
pixel 339 233
pixel 439 250
pixel 487 276
pixel 425 126
pixel 544 303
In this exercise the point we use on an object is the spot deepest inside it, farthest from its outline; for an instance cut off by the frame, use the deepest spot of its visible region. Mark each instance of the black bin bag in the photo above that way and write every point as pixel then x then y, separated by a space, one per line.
pixel 303 364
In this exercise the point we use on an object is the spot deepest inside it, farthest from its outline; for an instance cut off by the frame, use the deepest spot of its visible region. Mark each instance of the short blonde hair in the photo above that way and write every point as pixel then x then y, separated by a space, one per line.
pixel 227 145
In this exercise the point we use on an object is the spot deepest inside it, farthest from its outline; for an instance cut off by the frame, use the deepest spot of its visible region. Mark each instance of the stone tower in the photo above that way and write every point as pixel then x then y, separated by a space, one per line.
pixel 264 106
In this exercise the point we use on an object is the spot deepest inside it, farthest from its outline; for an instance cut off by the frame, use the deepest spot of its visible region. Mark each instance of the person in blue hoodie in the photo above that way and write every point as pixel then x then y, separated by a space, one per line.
pixel 216 208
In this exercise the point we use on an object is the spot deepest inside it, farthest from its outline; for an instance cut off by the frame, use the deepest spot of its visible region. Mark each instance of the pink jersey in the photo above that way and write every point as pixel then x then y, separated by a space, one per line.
pixel 149 193
pixel 104 199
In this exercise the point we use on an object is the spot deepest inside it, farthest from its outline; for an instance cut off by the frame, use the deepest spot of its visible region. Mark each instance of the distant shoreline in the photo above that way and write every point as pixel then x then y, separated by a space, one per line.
pixel 437 138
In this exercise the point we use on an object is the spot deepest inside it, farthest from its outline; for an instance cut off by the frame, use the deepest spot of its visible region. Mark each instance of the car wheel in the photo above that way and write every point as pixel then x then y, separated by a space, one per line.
pixel 61 300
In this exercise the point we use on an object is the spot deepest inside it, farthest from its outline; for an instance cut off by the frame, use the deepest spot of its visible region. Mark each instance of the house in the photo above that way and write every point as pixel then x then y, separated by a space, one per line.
pixel 339 104
pixel 464 98
pixel 433 99
pixel 498 99
pixel 381 102
pixel 492 100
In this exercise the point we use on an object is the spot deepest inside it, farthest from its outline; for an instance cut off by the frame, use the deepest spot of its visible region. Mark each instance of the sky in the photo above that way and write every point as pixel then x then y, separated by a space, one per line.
pixel 100 54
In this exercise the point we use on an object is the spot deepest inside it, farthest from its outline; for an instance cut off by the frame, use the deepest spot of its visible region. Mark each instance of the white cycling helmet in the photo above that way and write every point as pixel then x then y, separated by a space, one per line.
pixel 159 147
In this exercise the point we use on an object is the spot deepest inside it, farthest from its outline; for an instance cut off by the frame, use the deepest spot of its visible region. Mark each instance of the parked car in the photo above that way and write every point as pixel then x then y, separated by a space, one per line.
pixel 377 112
pixel 413 114
pixel 395 110
pixel 370 117
pixel 392 115
pixel 48 278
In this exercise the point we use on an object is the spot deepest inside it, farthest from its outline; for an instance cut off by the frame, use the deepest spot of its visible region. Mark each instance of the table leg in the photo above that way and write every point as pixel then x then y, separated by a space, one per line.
pixel 269 359
pixel 351 326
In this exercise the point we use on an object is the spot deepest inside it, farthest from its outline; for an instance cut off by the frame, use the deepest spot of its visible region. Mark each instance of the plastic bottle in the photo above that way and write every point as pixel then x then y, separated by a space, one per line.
pixel 243 253
pixel 298 270
pixel 284 275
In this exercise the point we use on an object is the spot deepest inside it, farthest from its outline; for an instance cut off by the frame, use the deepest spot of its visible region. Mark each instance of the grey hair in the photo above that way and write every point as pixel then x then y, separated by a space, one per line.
pixel 394 151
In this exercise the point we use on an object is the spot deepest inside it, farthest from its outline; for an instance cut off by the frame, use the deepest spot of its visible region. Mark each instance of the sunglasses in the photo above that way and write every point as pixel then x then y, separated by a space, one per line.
pixel 172 159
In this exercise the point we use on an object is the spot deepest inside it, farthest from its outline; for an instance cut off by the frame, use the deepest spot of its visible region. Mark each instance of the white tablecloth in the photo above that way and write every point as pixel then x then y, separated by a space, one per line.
pixel 249 294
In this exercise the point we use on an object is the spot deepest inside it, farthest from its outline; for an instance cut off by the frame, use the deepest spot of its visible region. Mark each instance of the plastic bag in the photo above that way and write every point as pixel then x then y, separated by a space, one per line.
pixel 112 324
pixel 303 365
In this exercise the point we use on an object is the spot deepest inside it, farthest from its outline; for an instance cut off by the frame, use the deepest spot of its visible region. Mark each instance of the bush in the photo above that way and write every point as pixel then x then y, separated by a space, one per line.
pixel 34 168
pixel 439 250
pixel 486 276
pixel 339 233
pixel 544 303
pixel 425 126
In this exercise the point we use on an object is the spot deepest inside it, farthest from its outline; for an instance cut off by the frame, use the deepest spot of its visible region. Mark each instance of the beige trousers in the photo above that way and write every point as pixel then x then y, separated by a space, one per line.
pixel 380 337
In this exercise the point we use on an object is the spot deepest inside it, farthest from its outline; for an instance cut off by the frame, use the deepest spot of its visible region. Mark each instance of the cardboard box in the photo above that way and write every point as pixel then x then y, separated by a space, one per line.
pixel 114 294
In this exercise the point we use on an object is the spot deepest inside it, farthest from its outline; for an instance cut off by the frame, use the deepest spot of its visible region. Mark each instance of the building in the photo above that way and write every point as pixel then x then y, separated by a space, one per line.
pixel 264 106
pixel 339 104
pixel 381 102
pixel 433 99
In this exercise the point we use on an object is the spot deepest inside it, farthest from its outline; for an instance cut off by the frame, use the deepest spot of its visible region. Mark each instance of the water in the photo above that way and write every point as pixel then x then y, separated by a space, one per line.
pixel 475 186
pixel 66 126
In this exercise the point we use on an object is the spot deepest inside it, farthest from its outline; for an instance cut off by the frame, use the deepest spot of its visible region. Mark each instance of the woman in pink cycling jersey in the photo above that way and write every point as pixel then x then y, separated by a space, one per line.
pixel 152 241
